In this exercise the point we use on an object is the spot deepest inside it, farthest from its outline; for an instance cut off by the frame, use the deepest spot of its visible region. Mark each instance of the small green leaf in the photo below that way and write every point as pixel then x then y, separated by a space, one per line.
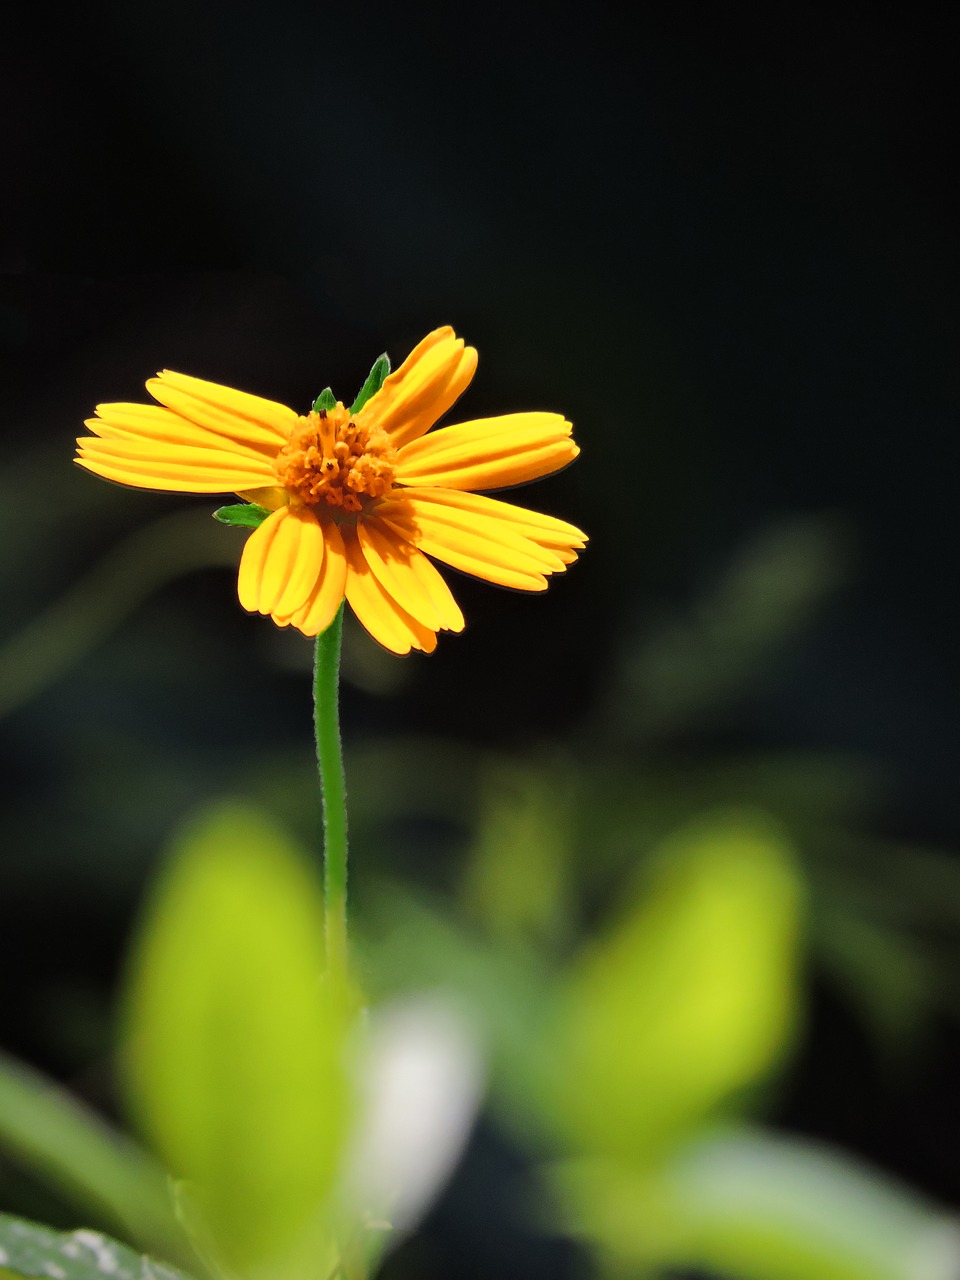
pixel 375 380
pixel 27 1249
pixel 324 401
pixel 245 515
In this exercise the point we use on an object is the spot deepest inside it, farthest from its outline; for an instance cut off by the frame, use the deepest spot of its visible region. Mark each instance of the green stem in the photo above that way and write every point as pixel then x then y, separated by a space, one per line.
pixel 326 719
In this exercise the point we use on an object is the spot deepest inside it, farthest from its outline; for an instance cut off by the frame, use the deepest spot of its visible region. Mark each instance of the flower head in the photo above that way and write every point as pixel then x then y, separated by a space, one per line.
pixel 358 500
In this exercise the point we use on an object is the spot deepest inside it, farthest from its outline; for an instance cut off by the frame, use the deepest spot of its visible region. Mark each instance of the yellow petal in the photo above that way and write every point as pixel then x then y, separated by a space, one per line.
pixel 441 595
pixel 435 373
pixel 554 535
pixel 136 449
pixel 448 508
pixel 489 453
pixel 281 562
pixel 484 546
pixel 148 464
pixel 324 600
pixel 272 497
pixel 408 576
pixel 152 422
pixel 382 616
pixel 233 414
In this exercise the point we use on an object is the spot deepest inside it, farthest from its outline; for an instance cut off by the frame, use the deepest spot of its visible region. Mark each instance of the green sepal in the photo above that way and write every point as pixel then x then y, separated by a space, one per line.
pixel 325 400
pixel 375 380
pixel 27 1249
pixel 247 515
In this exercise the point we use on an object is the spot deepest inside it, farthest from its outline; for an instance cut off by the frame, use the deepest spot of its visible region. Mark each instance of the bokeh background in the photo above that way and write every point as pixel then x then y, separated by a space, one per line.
pixel 723 242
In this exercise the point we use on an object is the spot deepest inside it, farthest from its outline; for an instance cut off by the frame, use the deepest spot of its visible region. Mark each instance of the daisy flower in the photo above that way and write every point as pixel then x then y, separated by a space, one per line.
pixel 360 500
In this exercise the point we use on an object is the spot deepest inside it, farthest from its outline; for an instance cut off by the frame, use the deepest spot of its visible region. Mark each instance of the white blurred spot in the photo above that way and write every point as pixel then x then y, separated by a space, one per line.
pixel 421 1081
pixel 102 1250
pixel 937 1254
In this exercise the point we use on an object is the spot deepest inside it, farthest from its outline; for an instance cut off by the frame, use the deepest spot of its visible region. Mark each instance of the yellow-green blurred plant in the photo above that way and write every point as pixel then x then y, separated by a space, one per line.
pixel 632 1067
pixel 686 1001
pixel 306 1134
pixel 234 1046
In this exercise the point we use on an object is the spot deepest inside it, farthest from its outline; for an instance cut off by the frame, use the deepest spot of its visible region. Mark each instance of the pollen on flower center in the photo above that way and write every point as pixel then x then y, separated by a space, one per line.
pixel 333 459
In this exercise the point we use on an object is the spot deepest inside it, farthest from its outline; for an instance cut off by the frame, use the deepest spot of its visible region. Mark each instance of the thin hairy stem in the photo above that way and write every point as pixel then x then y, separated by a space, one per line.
pixel 326 718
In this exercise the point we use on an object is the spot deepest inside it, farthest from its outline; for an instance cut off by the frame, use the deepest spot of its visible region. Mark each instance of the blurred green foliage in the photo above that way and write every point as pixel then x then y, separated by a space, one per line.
pixel 628 926
pixel 746 303
pixel 753 1205
pixel 79 1155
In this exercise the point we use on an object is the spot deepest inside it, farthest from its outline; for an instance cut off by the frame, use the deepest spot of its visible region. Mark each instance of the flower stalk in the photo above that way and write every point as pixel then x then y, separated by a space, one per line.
pixel 326 720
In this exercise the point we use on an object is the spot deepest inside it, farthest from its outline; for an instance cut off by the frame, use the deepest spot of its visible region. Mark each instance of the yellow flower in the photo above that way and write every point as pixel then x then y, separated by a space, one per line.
pixel 357 501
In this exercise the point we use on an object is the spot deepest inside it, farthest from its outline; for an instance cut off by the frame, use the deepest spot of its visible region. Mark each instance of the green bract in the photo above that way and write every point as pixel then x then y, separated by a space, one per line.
pixel 325 400
pixel 375 380
pixel 248 515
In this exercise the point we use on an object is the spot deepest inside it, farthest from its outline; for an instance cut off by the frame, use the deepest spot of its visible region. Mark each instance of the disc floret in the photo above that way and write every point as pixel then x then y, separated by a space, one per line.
pixel 334 459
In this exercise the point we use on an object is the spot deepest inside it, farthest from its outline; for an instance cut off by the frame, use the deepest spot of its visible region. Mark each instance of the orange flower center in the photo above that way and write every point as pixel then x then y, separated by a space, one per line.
pixel 333 459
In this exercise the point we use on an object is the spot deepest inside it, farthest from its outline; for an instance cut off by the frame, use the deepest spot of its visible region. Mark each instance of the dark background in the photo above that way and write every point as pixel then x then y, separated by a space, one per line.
pixel 722 241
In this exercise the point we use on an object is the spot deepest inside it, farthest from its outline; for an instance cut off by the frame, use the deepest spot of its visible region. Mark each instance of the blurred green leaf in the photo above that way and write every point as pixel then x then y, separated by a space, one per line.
pixel 233 1045
pixel 889 979
pixel 886 918
pixel 518 876
pixel 689 1000
pixel 756 1206
pixel 27 1249
pixel 324 401
pixel 375 380
pixel 46 648
pixel 246 515
pixel 688 667
pixel 72 1149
